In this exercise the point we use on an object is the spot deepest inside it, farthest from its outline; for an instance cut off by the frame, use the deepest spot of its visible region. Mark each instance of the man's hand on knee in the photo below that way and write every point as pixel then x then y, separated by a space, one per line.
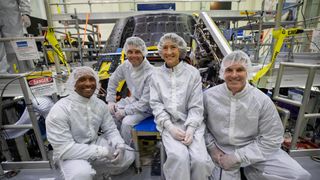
pixel 229 162
pixel 174 131
pixel 215 153
pixel 120 114
pixel 107 153
pixel 118 153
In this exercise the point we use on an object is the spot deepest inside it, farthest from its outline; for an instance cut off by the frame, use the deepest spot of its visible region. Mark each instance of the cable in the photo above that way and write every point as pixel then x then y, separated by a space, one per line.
pixel 3 133
pixel 254 39
pixel 16 78
pixel 7 84
pixel 2 92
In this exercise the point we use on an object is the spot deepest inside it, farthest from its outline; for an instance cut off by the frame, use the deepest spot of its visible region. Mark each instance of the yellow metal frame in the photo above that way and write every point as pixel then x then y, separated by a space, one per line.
pixel 56 47
pixel 279 35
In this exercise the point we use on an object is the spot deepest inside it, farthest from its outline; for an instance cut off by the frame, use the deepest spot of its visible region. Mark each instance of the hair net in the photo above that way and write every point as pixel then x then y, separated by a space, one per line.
pixel 236 57
pixel 77 73
pixel 182 45
pixel 138 43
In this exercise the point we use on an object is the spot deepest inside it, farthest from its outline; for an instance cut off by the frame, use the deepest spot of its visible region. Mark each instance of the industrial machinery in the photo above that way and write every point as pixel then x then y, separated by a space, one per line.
pixel 207 45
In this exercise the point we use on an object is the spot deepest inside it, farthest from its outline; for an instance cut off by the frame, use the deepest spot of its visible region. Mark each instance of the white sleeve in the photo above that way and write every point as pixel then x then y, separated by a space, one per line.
pixel 157 105
pixel 116 77
pixel 195 103
pixel 208 137
pixel 142 105
pixel 109 129
pixel 24 7
pixel 43 105
pixel 24 119
pixel 61 139
pixel 269 139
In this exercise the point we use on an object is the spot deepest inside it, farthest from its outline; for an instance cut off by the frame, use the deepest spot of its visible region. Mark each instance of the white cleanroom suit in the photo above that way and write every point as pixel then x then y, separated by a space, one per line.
pixel 72 129
pixel 136 107
pixel 247 126
pixel 176 99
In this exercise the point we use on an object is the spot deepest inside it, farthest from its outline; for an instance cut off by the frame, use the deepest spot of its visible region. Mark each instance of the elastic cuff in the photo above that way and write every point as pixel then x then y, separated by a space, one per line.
pixel 237 155
pixel 211 145
pixel 167 124
pixel 192 124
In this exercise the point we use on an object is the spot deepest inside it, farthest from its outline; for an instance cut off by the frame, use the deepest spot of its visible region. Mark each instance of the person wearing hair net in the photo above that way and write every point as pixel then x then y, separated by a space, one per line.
pixel 244 128
pixel 14 16
pixel 72 129
pixel 136 71
pixel 176 100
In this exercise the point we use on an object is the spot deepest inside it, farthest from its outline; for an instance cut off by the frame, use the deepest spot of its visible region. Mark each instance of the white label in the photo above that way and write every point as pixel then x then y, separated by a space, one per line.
pixel 25 49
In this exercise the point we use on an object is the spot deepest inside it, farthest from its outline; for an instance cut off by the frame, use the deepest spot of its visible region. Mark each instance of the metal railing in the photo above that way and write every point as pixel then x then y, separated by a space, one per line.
pixel 8 165
pixel 302 116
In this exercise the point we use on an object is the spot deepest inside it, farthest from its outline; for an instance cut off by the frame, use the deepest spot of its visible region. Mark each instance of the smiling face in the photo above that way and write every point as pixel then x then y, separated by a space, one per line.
pixel 170 53
pixel 235 77
pixel 134 55
pixel 86 85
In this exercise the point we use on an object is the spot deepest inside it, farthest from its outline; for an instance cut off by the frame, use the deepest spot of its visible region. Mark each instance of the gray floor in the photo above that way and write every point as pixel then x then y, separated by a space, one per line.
pixel 310 165
pixel 51 174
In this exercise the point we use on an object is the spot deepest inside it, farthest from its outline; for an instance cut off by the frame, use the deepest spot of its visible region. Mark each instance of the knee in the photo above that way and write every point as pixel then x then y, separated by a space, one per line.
pixel 124 164
pixel 81 173
pixel 129 158
pixel 125 129
pixel 199 161
pixel 127 122
pixel 178 157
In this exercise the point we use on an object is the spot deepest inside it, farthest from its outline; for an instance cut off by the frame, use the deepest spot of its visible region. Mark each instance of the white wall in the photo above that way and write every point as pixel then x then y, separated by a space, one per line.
pixel 37 9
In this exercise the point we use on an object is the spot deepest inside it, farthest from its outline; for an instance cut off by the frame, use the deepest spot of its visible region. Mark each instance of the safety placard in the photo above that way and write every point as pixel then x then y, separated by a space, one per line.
pixel 25 49
pixel 41 83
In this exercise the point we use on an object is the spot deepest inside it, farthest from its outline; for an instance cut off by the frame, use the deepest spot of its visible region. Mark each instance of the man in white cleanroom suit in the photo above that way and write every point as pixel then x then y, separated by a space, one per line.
pixel 14 16
pixel 137 70
pixel 72 127
pixel 176 100
pixel 244 128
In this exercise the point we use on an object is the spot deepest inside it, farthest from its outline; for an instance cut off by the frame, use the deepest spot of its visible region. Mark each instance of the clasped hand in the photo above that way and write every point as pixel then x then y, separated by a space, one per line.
pixel 186 137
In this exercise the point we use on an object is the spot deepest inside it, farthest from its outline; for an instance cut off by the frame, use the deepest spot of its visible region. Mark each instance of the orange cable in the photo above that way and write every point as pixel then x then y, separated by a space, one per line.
pixel 85 29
